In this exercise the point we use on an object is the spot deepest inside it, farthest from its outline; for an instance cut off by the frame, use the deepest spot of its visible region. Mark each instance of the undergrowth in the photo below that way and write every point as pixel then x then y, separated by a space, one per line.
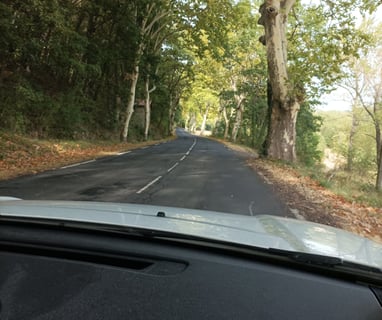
pixel 353 186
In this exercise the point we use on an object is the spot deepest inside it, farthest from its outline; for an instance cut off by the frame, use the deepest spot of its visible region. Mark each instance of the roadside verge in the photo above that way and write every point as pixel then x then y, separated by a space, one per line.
pixel 21 155
pixel 308 200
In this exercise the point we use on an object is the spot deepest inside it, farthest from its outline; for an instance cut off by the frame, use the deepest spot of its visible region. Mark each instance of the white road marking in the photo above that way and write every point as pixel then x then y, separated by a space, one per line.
pixel 297 214
pixel 169 170
pixel 78 164
pixel 122 153
pixel 267 181
pixel 173 167
pixel 149 184
pixel 250 208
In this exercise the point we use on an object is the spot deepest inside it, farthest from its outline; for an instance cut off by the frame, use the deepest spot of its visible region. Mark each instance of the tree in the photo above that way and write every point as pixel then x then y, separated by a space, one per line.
pixel 285 101
pixel 313 65
pixel 366 88
pixel 149 22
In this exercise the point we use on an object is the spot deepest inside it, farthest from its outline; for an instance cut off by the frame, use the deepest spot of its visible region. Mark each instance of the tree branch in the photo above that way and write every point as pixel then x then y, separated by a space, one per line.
pixel 287 6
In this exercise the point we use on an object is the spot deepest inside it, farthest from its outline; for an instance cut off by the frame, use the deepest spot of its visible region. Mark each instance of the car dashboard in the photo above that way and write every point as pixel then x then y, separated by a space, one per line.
pixel 72 273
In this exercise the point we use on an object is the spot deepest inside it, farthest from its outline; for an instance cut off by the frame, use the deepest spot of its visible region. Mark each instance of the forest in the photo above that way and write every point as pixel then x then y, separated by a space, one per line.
pixel 248 71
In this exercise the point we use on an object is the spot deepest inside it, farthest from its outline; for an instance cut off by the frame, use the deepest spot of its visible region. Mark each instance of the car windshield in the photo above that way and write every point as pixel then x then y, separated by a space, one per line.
pixel 263 115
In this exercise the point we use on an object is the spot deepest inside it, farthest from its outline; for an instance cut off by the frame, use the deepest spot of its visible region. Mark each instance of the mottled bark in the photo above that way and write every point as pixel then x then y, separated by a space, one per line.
pixel 205 116
pixel 226 122
pixel 148 92
pixel 378 184
pixel 130 104
pixel 149 29
pixel 282 133
pixel 239 99
pixel 174 101
pixel 285 103
pixel 238 119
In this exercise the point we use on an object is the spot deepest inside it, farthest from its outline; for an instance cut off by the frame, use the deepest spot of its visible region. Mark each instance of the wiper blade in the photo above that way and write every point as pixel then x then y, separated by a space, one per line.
pixel 327 261
pixel 327 264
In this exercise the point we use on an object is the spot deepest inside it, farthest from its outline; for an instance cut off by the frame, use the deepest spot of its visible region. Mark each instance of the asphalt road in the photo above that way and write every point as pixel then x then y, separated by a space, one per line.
pixel 189 172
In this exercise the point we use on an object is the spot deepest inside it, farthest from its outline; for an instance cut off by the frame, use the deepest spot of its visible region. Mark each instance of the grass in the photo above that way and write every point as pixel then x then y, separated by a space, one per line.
pixel 353 186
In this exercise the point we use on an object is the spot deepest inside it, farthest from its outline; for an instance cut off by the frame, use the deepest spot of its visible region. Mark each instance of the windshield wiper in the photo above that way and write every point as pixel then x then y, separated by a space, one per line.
pixel 302 258
pixel 326 264
pixel 329 262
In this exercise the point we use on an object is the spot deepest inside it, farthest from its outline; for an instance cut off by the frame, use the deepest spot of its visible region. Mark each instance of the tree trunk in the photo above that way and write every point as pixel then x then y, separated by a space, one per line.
pixel 203 126
pixel 118 110
pixel 285 102
pixel 282 133
pixel 170 116
pixel 378 138
pixel 174 101
pixel 379 172
pixel 192 123
pixel 130 103
pixel 148 106
pixel 238 119
pixel 226 121
pixel 378 184
pixel 147 109
pixel 353 130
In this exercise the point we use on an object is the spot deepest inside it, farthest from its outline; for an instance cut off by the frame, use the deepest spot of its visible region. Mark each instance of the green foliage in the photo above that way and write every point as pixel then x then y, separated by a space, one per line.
pixel 65 65
pixel 322 37
pixel 308 139
pixel 350 185
pixel 335 131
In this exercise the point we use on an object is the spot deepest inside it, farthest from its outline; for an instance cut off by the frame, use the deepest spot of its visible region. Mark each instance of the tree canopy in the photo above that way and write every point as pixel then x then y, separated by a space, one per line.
pixel 135 69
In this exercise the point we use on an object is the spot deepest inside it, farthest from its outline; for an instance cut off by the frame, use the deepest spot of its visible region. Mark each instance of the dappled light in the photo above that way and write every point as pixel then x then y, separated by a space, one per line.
pixel 83 80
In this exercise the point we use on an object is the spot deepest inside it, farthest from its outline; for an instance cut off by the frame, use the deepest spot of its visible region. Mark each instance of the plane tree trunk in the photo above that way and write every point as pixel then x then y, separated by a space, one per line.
pixel 204 122
pixel 378 184
pixel 226 122
pixel 174 102
pixel 238 118
pixel 130 103
pixel 148 92
pixel 285 99
pixel 239 99
pixel 149 29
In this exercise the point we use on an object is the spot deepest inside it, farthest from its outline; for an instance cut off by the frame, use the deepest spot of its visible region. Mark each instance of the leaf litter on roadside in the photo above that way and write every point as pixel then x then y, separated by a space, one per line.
pixel 317 204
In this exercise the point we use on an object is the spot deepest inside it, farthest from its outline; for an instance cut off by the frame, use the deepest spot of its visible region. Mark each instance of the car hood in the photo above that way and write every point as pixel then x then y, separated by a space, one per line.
pixel 264 231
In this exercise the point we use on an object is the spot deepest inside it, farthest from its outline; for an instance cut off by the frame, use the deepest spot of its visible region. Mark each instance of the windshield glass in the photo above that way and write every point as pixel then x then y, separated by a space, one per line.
pixel 267 110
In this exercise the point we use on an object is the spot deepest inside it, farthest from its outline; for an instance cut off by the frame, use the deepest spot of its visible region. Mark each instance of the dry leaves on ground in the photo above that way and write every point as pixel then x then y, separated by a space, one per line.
pixel 306 197
pixel 20 156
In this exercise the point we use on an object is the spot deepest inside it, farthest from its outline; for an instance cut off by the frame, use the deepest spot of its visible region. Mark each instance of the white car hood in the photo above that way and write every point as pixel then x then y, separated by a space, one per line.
pixel 263 231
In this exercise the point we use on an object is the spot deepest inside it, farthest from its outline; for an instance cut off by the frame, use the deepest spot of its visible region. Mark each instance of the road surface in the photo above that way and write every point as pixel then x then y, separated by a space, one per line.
pixel 189 172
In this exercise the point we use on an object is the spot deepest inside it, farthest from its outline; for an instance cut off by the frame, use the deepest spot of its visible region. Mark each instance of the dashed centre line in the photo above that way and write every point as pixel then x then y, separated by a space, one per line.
pixel 173 167
pixel 149 184
pixel 168 171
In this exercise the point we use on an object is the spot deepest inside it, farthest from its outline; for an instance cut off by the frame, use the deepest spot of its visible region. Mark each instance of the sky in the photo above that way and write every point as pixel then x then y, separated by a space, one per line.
pixel 336 100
